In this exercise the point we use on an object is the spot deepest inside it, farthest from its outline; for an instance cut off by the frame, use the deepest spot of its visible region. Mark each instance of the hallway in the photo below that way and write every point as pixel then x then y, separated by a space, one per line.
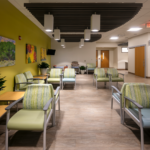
pixel 85 122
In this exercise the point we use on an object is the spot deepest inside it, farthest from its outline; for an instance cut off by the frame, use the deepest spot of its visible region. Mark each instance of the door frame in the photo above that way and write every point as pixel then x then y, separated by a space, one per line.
pixel 101 58
pixel 145 56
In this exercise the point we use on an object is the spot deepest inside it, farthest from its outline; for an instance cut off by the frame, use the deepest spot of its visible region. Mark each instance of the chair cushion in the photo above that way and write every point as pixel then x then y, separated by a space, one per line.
pixel 37 95
pixel 100 72
pixel 117 79
pixel 29 75
pixel 27 120
pixel 38 81
pixel 53 79
pixel 90 65
pixel 113 72
pixel 103 79
pixel 55 73
pixel 20 78
pixel 139 93
pixel 69 73
pixel 117 96
pixel 90 68
pixel 145 116
pixel 69 80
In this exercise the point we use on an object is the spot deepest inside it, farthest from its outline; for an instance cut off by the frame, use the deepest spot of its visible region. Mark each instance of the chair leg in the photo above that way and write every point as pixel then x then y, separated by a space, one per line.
pixel 96 85
pixel 117 84
pixel 112 103
pixel 105 84
pixel 62 85
pixel 44 132
pixel 142 138
pixel 6 134
pixel 75 85
pixel 59 102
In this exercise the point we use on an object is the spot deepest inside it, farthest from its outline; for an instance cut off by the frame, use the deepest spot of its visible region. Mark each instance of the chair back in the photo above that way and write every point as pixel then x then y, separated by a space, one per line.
pixel 28 75
pixel 69 73
pixel 74 63
pixel 37 95
pixel 55 73
pixel 90 65
pixel 100 72
pixel 139 93
pixel 113 72
pixel 19 78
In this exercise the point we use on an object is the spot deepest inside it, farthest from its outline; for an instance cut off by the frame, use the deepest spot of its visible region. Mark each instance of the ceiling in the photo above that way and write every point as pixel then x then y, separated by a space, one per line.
pixel 75 17
pixel 139 20
pixel 77 37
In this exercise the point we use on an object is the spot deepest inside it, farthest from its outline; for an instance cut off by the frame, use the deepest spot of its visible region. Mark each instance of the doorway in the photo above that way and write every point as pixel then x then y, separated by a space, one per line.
pixel 140 61
pixel 104 58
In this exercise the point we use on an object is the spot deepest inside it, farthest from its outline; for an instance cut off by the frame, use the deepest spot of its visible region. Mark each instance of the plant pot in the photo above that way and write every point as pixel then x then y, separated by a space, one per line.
pixel 82 71
pixel 43 71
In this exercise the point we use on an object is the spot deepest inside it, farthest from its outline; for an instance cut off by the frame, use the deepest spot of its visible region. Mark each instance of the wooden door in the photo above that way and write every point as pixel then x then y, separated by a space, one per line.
pixel 105 59
pixel 96 58
pixel 140 61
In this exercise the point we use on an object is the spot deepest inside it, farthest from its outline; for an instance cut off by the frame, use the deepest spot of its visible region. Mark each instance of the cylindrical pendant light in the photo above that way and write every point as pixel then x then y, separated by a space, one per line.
pixel 87 34
pixel 57 34
pixel 48 22
pixel 62 42
pixel 95 23
pixel 82 42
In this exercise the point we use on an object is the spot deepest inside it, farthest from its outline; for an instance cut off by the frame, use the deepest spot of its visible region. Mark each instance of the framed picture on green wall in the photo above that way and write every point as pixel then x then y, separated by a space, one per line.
pixel 7 52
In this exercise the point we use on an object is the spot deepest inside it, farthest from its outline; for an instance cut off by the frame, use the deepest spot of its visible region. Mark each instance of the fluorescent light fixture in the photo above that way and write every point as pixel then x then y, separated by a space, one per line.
pixel 95 23
pixel 87 34
pixel 57 34
pixel 82 42
pixel 134 29
pixel 62 42
pixel 114 38
pixel 48 22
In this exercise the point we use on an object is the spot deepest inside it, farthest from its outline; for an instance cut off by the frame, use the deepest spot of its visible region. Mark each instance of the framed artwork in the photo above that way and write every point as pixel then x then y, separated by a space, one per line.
pixel 31 54
pixel 43 54
pixel 7 52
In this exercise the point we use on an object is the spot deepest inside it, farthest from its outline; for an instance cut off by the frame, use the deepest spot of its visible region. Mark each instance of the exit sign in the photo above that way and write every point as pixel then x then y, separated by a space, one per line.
pixel 148 25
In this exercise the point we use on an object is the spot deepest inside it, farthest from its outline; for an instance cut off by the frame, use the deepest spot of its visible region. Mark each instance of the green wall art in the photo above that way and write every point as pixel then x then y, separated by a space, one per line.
pixel 7 52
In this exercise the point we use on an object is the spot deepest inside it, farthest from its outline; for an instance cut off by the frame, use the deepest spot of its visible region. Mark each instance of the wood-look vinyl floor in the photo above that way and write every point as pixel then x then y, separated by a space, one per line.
pixel 85 122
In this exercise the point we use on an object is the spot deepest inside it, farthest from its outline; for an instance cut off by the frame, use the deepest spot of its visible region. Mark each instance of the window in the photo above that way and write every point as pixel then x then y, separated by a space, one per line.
pixel 124 50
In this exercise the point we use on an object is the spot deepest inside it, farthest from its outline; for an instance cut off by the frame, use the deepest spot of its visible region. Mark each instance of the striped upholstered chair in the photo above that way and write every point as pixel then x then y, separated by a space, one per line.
pixel 21 82
pixel 118 96
pixel 100 76
pixel 90 67
pixel 30 78
pixel 137 106
pixel 69 77
pixel 38 108
pixel 55 76
pixel 115 75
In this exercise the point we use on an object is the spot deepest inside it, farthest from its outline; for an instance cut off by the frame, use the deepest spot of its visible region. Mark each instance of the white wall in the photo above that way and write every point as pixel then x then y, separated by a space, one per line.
pixel 122 58
pixel 137 41
pixel 72 52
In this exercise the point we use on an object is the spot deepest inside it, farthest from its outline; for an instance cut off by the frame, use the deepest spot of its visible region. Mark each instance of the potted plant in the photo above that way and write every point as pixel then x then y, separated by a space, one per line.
pixel 82 68
pixel 2 81
pixel 43 67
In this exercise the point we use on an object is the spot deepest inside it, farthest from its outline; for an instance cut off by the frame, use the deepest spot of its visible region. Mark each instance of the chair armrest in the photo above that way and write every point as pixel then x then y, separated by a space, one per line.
pixel 113 87
pixel 25 83
pixel 109 74
pixel 121 74
pixel 14 103
pixel 47 104
pixel 34 79
pixel 40 75
pixel 61 75
pixel 134 102
pixel 58 88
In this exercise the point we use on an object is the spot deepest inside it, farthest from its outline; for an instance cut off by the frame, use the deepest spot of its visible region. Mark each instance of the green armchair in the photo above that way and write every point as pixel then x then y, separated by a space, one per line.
pixel 55 76
pixel 21 82
pixel 115 75
pixel 137 106
pixel 69 77
pixel 90 67
pixel 38 108
pixel 30 78
pixel 100 76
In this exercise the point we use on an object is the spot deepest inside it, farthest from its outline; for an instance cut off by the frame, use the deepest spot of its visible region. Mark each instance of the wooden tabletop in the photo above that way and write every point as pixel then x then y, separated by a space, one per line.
pixel 11 96
pixel 40 77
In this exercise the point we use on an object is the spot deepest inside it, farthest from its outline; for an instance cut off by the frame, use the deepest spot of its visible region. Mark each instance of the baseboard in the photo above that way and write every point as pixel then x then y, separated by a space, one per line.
pixel 148 77
pixel 131 73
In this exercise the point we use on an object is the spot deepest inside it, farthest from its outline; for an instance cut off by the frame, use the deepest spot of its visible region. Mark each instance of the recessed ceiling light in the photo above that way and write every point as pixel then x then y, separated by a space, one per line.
pixel 134 29
pixel 114 38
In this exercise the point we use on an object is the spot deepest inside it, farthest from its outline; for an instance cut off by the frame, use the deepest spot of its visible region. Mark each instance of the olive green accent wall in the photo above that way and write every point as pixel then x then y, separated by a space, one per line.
pixel 13 24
